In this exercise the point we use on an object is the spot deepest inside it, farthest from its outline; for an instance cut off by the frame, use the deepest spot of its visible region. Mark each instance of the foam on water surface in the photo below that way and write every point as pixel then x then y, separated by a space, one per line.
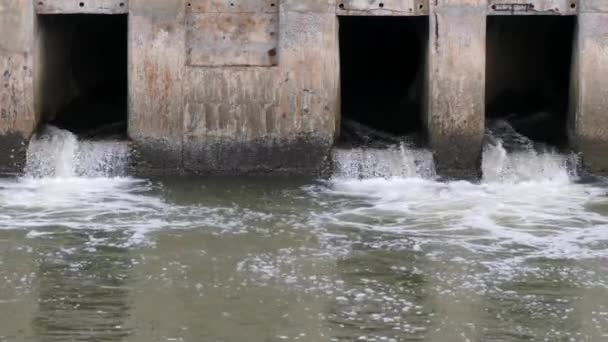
pixel 379 251
pixel 528 200
pixel 528 204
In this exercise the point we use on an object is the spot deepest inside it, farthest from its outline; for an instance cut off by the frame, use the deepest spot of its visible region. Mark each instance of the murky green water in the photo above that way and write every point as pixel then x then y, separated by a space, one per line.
pixel 302 260
pixel 382 251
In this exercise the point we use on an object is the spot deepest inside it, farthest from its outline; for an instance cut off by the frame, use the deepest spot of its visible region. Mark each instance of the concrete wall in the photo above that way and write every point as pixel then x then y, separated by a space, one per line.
pixel 588 127
pixel 17 119
pixel 236 118
pixel 533 7
pixel 156 76
pixel 260 93
pixel 457 85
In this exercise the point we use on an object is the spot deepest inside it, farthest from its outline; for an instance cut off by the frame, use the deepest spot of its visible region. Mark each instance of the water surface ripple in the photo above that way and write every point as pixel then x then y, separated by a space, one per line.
pixel 382 251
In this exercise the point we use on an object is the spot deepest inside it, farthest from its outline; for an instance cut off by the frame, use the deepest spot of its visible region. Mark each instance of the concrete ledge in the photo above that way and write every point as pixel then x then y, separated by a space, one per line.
pixel 81 6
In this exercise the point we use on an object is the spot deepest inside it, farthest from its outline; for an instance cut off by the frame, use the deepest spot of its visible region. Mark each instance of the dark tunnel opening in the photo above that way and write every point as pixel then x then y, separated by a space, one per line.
pixel 528 74
pixel 83 73
pixel 382 63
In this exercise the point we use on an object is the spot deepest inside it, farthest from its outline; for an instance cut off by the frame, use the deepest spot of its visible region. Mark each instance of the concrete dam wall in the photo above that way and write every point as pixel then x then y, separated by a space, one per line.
pixel 266 86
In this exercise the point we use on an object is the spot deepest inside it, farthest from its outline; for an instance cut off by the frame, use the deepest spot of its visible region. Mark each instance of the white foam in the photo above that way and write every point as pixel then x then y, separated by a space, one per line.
pixel 527 201
pixel 393 161
pixel 527 165
pixel 58 153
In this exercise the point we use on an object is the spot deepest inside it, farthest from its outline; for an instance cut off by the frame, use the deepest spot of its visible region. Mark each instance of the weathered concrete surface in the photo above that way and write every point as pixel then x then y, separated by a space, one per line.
pixel 220 33
pixel 232 39
pixel 594 6
pixel 156 66
pixel 81 6
pixel 382 7
pixel 533 7
pixel 198 104
pixel 283 118
pixel 233 119
pixel 17 119
pixel 455 122
pixel 589 95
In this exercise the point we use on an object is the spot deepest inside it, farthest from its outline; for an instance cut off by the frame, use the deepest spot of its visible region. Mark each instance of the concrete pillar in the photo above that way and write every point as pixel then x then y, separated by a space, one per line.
pixel 17 118
pixel 588 124
pixel 156 68
pixel 261 119
pixel 455 121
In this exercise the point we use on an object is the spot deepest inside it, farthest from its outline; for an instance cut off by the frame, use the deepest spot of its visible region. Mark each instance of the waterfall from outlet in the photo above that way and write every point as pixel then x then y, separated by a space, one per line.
pixel 507 157
pixel 58 153
pixel 399 160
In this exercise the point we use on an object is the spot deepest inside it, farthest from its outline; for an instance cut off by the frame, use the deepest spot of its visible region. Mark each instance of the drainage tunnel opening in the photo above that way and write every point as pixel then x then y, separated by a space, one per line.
pixel 82 77
pixel 528 74
pixel 382 64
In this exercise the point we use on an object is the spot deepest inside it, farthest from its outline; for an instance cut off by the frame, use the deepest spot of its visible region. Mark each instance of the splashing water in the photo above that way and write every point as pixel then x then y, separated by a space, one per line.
pixel 70 184
pixel 522 163
pixel 393 161
pixel 55 152
pixel 500 166
pixel 510 157
pixel 526 197
pixel 382 251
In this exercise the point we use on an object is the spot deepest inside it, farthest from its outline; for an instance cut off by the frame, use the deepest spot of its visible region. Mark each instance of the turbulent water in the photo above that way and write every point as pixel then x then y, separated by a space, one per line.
pixel 57 153
pixel 381 251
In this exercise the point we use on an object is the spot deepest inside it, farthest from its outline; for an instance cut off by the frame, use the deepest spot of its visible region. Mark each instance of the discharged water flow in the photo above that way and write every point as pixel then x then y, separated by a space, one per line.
pixel 381 251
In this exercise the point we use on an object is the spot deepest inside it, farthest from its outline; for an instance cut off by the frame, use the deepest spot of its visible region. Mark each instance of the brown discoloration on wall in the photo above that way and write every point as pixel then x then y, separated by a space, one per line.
pixel 457 84
pixel 213 119
pixel 16 114
pixel 589 101
pixel 309 70
pixel 16 64
pixel 156 64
